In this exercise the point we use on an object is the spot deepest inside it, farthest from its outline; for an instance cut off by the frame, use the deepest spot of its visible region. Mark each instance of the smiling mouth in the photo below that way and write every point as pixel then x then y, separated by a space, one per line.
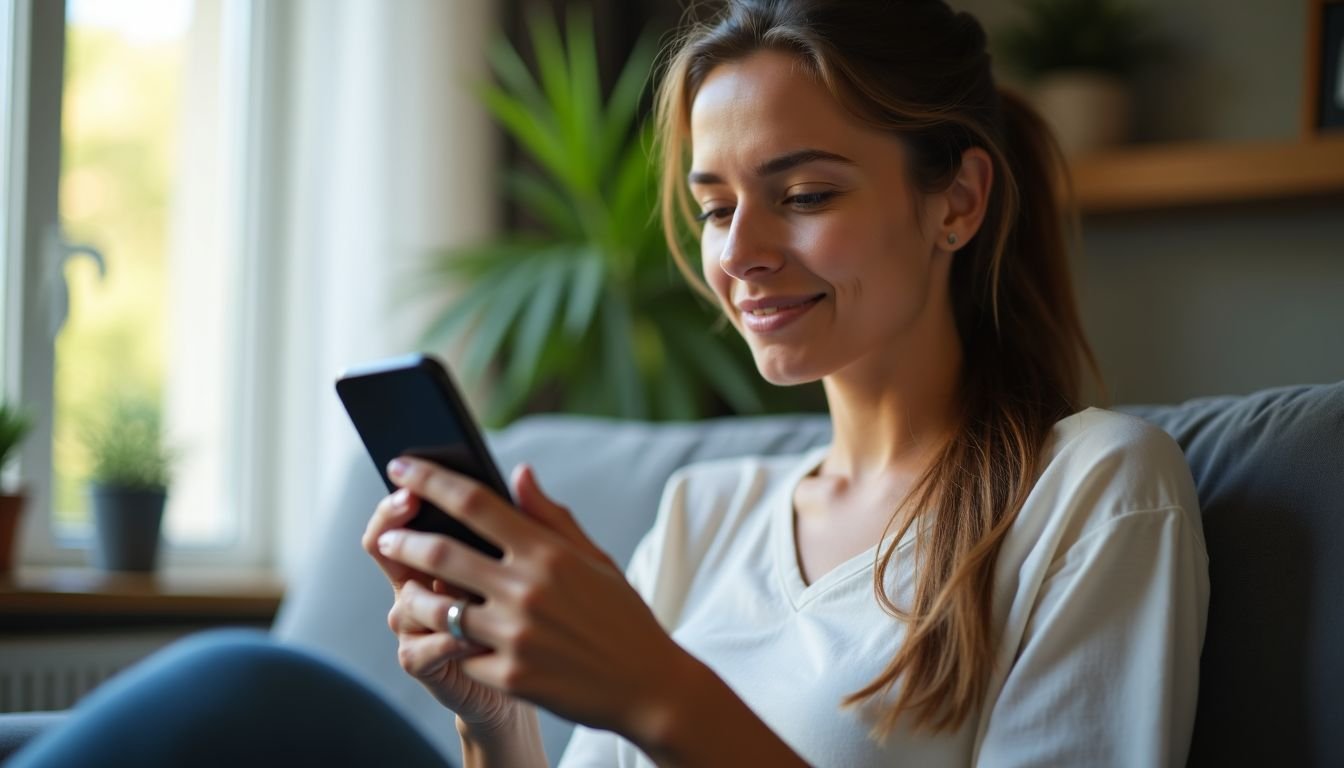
pixel 773 315
pixel 768 307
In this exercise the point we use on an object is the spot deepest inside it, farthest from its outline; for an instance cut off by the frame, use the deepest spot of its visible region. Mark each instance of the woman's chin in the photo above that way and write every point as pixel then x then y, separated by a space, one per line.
pixel 786 373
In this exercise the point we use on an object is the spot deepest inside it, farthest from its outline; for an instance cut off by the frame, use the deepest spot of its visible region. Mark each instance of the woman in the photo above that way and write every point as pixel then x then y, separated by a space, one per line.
pixel 973 571
pixel 874 213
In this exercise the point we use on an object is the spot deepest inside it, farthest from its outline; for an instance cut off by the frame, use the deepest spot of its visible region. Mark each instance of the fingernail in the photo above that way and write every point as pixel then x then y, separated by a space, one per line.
pixel 388 541
pixel 401 500
pixel 397 468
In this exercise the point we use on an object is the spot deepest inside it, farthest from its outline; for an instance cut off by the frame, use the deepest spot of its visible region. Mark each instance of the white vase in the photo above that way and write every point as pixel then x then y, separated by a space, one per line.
pixel 1088 110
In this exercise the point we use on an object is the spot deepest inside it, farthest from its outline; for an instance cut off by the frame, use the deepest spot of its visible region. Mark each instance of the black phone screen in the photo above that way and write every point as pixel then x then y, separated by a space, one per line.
pixel 408 406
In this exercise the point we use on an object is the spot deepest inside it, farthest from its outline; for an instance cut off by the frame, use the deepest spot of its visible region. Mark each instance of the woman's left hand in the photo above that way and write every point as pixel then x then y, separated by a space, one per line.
pixel 565 629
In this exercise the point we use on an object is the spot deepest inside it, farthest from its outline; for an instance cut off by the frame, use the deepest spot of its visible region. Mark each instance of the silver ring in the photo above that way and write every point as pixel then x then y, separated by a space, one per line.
pixel 455 612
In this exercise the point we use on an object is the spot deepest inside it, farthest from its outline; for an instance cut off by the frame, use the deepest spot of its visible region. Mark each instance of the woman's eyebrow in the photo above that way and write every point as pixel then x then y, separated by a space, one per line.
pixel 776 165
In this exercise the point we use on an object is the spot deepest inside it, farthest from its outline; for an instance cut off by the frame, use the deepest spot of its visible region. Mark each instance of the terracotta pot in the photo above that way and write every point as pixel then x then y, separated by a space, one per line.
pixel 1088 110
pixel 11 510
pixel 127 521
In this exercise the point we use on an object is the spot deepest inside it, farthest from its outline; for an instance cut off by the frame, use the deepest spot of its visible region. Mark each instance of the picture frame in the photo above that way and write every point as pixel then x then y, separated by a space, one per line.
pixel 1323 100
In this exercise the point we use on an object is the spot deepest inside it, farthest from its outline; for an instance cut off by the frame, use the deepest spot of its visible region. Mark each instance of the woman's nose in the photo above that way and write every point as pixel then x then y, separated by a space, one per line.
pixel 749 250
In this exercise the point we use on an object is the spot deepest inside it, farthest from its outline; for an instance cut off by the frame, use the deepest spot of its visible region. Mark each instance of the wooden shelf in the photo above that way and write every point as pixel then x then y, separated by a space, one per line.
pixel 39 595
pixel 1142 178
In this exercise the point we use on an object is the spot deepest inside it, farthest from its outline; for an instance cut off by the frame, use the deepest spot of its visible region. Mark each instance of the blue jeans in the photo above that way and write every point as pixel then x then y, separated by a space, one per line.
pixel 232 698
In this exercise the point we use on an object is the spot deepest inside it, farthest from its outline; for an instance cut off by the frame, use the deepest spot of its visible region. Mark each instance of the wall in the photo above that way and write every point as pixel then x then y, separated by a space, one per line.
pixel 1184 303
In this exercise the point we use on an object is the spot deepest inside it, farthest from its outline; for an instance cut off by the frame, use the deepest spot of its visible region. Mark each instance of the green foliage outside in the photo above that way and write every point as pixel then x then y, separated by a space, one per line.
pixel 125 444
pixel 119 144
pixel 587 315
pixel 1105 35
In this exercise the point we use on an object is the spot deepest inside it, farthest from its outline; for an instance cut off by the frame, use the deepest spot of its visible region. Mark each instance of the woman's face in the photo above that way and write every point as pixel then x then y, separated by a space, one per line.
pixel 811 238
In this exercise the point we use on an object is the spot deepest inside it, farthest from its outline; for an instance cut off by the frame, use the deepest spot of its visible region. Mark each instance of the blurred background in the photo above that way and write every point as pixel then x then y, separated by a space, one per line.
pixel 216 205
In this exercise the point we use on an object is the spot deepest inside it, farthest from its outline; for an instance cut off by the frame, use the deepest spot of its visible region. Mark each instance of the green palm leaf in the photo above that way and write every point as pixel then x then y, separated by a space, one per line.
pixel 623 106
pixel 535 136
pixel 452 322
pixel 708 355
pixel 585 92
pixel 676 393
pixel 544 201
pixel 589 272
pixel 619 358
pixel 513 75
pixel 536 323
pixel 500 307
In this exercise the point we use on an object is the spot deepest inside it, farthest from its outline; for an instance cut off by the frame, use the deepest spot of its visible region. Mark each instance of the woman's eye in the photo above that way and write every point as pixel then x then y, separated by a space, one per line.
pixel 716 214
pixel 810 199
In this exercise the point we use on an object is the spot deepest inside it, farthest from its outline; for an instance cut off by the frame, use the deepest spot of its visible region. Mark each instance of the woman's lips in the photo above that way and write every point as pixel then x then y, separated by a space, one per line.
pixel 771 314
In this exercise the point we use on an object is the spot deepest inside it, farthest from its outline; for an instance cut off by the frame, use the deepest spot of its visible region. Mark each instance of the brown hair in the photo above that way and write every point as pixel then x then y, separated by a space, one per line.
pixel 920 70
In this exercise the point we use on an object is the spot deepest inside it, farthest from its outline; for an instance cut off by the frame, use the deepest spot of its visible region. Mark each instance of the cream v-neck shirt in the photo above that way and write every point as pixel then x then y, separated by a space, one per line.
pixel 1100 597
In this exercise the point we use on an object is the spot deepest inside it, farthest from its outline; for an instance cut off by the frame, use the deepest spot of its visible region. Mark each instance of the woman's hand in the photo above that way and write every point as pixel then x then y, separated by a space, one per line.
pixel 559 624
pixel 425 649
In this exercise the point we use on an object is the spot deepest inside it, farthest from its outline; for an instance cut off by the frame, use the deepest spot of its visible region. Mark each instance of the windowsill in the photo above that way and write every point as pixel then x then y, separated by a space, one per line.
pixel 42 598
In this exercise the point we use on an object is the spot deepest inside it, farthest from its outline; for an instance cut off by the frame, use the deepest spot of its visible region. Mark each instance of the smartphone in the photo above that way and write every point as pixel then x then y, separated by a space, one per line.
pixel 408 406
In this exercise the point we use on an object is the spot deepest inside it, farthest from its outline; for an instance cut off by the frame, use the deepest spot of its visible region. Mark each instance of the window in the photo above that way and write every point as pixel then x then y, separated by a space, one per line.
pixel 9 120
pixel 164 115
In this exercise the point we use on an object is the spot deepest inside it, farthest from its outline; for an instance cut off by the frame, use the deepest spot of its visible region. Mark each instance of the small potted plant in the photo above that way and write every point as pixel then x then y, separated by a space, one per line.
pixel 1077 56
pixel 128 483
pixel 14 426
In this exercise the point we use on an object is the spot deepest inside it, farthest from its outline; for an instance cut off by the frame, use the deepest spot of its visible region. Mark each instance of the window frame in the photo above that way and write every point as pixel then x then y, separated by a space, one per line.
pixel 34 250
pixel 38 52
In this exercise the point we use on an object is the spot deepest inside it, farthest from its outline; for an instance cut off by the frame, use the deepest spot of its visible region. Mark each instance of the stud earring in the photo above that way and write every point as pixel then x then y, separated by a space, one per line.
pixel 952 238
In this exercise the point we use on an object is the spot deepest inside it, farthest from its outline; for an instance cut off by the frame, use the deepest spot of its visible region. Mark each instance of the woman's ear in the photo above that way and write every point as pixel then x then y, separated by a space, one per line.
pixel 966 199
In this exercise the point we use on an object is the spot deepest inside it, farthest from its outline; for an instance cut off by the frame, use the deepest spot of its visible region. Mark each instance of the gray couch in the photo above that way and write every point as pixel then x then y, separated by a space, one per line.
pixel 1270 472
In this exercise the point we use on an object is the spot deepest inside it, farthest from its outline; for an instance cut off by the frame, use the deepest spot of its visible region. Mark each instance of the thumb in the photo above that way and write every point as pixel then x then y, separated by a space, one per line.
pixel 537 505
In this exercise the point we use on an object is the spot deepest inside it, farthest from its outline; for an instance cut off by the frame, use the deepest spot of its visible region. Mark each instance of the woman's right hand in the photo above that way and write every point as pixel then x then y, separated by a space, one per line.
pixel 429 653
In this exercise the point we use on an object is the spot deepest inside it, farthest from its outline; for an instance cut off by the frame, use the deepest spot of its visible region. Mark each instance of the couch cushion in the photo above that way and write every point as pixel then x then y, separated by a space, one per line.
pixel 19 728
pixel 612 472
pixel 1270 472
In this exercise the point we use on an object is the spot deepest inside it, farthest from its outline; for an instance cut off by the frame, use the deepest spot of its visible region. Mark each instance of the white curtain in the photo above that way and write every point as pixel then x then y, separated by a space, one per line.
pixel 388 156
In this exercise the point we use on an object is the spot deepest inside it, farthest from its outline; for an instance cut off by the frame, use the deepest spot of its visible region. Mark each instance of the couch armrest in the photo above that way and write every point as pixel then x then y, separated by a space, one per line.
pixel 18 728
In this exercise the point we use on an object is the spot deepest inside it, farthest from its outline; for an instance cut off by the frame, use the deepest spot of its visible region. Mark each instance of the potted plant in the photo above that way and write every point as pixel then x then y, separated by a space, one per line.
pixel 14 426
pixel 1076 56
pixel 128 482
pixel 585 312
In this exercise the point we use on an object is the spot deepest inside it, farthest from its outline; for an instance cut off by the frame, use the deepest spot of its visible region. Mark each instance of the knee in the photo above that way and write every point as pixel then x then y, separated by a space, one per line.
pixel 218 652
pixel 246 659
pixel 233 698
pixel 234 681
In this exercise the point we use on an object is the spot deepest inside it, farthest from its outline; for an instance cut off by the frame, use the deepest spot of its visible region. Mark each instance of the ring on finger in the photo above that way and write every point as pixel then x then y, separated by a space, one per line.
pixel 455 611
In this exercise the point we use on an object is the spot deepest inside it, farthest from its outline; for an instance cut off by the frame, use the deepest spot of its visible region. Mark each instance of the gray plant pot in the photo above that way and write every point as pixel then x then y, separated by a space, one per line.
pixel 128 521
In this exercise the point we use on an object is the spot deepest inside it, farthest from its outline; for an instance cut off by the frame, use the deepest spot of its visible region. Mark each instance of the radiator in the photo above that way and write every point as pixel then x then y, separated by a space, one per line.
pixel 52 672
